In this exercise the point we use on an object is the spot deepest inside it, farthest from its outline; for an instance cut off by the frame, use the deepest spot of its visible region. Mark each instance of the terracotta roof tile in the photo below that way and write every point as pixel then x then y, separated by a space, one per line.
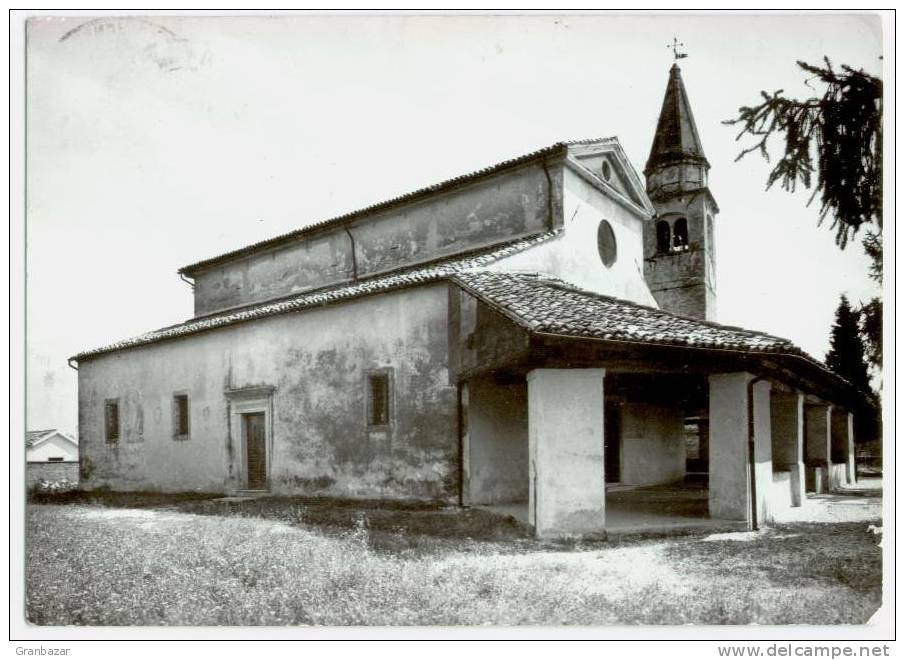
pixel 548 306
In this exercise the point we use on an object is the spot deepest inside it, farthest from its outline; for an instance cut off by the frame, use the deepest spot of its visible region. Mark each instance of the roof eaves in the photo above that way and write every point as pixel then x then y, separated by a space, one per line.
pixel 414 276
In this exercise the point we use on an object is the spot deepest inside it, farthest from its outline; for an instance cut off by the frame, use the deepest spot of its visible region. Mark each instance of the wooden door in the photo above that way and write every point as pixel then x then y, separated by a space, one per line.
pixel 255 451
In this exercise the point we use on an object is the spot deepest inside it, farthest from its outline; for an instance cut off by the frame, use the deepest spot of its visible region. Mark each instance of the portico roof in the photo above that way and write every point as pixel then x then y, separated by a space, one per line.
pixel 548 307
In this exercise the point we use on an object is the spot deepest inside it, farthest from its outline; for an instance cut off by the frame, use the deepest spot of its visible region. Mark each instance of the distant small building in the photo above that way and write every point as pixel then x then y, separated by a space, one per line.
pixel 50 455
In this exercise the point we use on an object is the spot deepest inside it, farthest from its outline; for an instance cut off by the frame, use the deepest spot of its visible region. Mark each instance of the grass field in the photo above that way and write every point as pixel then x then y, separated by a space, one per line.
pixel 158 565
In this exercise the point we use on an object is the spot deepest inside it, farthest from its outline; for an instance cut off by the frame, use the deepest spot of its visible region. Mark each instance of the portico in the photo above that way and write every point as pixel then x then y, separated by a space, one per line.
pixel 557 426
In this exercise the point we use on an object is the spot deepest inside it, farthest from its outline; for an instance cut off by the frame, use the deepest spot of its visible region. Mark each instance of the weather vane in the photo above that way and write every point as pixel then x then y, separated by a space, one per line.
pixel 675 49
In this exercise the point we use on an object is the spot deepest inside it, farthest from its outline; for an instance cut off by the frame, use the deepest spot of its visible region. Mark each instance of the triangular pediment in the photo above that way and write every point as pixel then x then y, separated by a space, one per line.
pixel 49 436
pixel 610 169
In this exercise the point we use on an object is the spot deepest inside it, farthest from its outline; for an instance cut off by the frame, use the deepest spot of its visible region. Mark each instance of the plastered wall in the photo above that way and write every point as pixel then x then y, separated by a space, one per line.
pixel 317 362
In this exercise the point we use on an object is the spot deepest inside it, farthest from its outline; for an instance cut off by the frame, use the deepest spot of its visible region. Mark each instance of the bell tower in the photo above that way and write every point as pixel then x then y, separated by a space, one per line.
pixel 679 259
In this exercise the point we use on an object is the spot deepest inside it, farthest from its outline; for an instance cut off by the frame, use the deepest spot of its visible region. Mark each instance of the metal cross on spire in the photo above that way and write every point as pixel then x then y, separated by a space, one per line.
pixel 675 49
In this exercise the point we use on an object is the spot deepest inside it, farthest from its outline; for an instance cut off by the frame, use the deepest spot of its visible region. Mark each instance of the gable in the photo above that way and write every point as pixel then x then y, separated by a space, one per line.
pixel 606 166
pixel 54 445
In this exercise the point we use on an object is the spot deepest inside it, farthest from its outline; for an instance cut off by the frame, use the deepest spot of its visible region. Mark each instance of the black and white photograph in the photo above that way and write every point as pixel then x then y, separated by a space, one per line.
pixel 509 324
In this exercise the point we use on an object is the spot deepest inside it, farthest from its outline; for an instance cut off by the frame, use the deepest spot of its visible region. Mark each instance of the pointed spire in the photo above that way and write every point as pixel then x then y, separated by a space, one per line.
pixel 676 139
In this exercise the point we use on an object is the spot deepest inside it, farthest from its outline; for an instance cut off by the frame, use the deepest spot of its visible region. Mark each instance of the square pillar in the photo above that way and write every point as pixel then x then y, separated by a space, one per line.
pixel 730 469
pixel 817 445
pixel 763 449
pixel 465 440
pixel 565 434
pixel 851 469
pixel 842 442
pixel 787 420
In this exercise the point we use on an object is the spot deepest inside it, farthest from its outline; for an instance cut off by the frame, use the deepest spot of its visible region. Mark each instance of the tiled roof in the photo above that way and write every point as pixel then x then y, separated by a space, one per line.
pixel 559 147
pixel 549 306
pixel 421 274
pixel 31 437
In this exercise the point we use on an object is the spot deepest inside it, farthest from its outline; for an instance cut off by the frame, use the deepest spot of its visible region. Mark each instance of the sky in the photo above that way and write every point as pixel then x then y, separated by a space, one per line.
pixel 156 142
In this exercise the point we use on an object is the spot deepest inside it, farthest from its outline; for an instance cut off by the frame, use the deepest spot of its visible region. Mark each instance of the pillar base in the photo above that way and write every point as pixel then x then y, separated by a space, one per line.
pixel 797 483
pixel 817 479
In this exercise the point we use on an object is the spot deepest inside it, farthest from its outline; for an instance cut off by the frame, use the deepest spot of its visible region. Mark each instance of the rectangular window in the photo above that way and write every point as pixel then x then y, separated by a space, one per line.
pixel 111 420
pixel 181 416
pixel 54 459
pixel 379 398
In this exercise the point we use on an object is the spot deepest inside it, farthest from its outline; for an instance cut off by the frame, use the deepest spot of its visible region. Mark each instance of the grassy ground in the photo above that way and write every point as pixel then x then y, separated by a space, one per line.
pixel 392 526
pixel 156 564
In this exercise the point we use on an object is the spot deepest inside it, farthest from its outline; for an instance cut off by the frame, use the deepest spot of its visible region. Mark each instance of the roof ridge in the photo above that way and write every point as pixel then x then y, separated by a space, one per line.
pixel 609 138
pixel 393 201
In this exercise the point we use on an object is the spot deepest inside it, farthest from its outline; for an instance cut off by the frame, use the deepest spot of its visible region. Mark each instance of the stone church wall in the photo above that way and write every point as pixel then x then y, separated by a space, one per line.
pixel 317 362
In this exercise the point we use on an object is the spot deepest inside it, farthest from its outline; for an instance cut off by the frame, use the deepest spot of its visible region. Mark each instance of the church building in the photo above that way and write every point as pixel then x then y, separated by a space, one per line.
pixel 537 336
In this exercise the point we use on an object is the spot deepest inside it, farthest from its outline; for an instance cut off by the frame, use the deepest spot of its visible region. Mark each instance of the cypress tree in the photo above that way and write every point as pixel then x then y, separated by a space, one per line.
pixel 846 354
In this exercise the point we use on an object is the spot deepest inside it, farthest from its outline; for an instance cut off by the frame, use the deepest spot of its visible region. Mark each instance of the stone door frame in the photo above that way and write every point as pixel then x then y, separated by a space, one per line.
pixel 242 402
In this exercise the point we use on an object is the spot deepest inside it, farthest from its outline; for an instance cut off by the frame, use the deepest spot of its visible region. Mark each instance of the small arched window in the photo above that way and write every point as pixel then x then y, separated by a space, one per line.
pixel 663 236
pixel 680 234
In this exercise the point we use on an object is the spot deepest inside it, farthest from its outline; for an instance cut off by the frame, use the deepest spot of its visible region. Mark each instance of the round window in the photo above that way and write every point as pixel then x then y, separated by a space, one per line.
pixel 605 170
pixel 606 243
